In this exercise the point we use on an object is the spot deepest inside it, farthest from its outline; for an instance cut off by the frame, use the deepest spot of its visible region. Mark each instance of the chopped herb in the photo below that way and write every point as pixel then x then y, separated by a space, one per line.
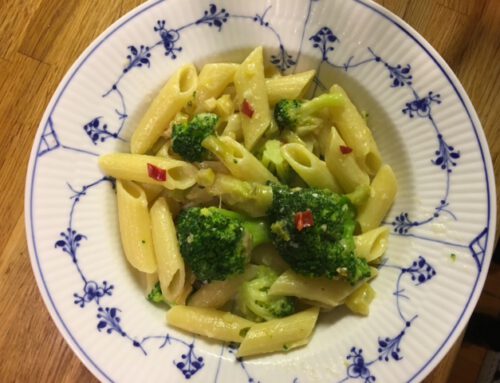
pixel 286 347
pixel 143 241
pixel 453 257
pixel 244 331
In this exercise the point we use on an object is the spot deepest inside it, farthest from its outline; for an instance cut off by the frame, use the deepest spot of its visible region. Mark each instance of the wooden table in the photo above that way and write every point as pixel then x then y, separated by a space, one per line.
pixel 39 39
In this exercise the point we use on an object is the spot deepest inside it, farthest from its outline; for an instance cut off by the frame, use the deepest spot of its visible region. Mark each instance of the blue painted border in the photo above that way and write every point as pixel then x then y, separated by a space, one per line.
pixel 61 92
pixel 377 9
pixel 403 28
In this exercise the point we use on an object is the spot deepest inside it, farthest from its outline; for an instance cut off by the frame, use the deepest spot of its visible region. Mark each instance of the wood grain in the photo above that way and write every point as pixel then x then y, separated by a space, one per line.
pixel 40 39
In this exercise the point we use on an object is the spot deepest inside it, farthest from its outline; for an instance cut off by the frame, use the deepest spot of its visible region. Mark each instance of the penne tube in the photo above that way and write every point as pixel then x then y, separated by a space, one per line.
pixel 252 198
pixel 309 167
pixel 323 290
pixel 216 294
pixel 171 174
pixel 279 334
pixel 238 160
pixel 383 191
pixel 150 280
pixel 170 100
pixel 372 244
pixel 342 164
pixel 135 226
pixel 212 81
pixel 152 191
pixel 266 254
pixel 251 93
pixel 233 127
pixel 171 269
pixel 289 87
pixel 186 289
pixel 359 301
pixel 209 322
pixel 353 129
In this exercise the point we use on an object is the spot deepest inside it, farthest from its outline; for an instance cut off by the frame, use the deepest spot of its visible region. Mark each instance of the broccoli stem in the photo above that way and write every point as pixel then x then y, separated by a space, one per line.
pixel 259 231
pixel 327 100
pixel 257 228
pixel 359 195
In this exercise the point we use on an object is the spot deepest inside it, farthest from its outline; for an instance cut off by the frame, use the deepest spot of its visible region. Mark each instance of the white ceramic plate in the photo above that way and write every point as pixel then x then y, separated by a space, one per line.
pixel 443 221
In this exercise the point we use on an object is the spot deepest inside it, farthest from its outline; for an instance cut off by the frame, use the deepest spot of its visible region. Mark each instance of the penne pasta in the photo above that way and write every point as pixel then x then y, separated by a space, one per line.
pixel 252 198
pixel 383 191
pixel 209 322
pixel 169 101
pixel 309 167
pixel 279 334
pixel 171 174
pixel 171 269
pixel 359 301
pixel 216 294
pixel 353 129
pixel 135 226
pixel 251 93
pixel 238 160
pixel 212 81
pixel 341 162
pixel 323 290
pixel 372 244
pixel 289 87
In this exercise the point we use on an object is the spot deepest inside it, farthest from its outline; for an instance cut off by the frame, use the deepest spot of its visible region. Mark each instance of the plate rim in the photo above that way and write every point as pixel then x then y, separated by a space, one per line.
pixel 403 26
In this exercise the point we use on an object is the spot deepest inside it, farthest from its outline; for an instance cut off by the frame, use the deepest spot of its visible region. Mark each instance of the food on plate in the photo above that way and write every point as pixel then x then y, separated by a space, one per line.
pixel 249 208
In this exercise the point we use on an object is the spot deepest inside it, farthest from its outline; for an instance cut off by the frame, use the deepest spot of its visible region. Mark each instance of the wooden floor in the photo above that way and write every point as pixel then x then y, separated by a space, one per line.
pixel 470 357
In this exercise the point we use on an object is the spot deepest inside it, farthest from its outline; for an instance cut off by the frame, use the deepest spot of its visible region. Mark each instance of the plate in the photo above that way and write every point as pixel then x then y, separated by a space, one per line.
pixel 442 223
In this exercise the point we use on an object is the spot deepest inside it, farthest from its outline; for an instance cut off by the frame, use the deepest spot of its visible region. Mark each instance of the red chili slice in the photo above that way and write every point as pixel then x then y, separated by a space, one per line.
pixel 304 219
pixel 247 109
pixel 345 149
pixel 157 173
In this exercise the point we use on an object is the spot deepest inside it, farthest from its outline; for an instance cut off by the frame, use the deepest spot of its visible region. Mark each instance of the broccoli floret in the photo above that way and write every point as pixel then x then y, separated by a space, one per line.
pixel 156 296
pixel 325 248
pixel 187 137
pixel 297 115
pixel 273 160
pixel 216 243
pixel 256 304
pixel 313 231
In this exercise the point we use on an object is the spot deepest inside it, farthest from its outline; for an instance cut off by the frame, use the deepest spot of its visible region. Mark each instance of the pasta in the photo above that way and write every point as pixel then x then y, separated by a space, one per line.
pixel 171 271
pixel 279 334
pixel 383 192
pixel 353 128
pixel 247 209
pixel 309 167
pixel 170 173
pixel 288 87
pixel 251 92
pixel 135 225
pixel 171 99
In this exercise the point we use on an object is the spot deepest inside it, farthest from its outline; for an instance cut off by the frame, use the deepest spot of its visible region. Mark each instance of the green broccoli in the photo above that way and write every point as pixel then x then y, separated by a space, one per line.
pixel 187 137
pixel 216 243
pixel 313 231
pixel 325 248
pixel 272 159
pixel 156 296
pixel 297 115
pixel 256 304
